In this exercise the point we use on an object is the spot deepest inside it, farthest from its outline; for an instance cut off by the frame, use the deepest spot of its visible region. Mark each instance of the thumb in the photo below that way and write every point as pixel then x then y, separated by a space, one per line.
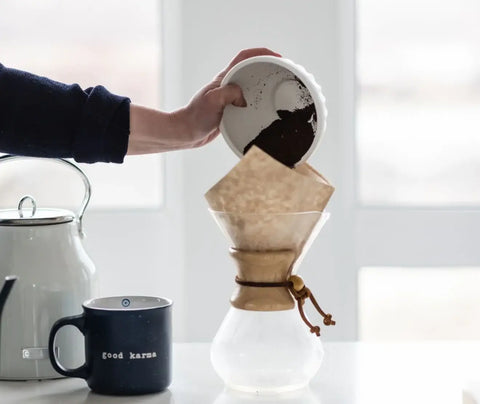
pixel 228 94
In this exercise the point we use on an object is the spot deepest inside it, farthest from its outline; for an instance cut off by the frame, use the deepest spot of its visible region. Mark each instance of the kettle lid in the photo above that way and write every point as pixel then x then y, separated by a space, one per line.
pixel 34 216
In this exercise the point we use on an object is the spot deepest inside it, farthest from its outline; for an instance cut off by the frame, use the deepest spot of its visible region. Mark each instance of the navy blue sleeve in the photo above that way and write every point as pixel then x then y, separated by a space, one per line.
pixel 43 118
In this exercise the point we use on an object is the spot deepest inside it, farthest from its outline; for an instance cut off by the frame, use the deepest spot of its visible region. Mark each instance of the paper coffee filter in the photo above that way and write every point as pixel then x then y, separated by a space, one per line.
pixel 261 184
pixel 262 205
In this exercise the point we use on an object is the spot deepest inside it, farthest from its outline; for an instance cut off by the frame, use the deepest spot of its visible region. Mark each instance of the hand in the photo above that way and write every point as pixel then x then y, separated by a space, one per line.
pixel 204 111
pixel 153 131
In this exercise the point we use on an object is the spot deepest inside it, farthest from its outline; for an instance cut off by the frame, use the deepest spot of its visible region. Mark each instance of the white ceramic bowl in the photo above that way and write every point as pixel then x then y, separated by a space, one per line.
pixel 269 84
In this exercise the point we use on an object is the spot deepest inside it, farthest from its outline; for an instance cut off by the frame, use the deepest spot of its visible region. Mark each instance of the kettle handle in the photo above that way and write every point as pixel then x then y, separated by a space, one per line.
pixel 86 182
pixel 5 291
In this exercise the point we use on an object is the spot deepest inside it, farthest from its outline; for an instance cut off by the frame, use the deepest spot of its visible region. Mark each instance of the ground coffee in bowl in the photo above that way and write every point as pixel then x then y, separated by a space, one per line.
pixel 285 114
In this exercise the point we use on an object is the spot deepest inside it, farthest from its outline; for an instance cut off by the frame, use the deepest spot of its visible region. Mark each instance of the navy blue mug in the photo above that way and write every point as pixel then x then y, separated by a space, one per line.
pixel 128 344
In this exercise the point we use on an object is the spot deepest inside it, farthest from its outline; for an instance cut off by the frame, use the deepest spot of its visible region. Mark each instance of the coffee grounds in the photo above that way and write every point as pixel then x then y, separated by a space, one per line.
pixel 288 139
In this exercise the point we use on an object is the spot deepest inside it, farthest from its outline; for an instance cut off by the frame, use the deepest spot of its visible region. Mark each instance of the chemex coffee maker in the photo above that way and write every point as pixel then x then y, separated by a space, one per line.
pixel 271 206
pixel 47 275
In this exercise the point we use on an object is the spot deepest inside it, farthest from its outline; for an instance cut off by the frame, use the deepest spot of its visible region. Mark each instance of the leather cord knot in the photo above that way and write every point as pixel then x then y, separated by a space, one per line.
pixel 301 293
pixel 328 320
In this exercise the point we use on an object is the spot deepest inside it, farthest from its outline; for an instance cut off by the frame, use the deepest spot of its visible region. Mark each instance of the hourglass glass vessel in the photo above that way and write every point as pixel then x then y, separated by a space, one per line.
pixel 266 343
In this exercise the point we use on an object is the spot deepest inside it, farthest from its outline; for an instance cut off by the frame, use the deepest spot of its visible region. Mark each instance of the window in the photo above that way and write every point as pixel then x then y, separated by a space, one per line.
pixel 113 43
pixel 418 169
pixel 418 72
pixel 419 303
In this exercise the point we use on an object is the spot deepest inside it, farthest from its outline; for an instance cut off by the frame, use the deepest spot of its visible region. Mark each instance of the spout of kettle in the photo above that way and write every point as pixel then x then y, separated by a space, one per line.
pixel 7 287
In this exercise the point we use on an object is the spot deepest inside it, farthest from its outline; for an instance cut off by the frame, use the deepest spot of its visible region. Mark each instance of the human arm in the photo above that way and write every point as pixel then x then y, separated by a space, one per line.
pixel 44 118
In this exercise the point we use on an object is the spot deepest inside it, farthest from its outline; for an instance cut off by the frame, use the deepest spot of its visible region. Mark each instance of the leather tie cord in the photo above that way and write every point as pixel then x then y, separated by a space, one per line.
pixel 300 292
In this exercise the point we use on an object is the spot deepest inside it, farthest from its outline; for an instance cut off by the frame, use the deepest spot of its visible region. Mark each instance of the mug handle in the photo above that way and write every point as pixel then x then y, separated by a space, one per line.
pixel 78 322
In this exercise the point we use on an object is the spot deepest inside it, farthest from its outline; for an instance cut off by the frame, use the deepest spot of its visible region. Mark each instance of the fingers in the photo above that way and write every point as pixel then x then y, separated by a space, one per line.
pixel 213 98
pixel 242 55
pixel 248 53
pixel 225 95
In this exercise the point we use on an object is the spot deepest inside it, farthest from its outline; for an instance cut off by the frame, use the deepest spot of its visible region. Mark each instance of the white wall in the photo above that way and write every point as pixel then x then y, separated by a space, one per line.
pixel 212 31
pixel 179 252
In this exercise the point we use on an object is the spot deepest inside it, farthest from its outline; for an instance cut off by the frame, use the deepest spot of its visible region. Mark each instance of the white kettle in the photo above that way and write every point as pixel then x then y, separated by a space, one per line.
pixel 48 275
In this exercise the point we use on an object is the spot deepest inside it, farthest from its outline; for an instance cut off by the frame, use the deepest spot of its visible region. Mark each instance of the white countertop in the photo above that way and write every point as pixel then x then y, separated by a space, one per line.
pixel 352 373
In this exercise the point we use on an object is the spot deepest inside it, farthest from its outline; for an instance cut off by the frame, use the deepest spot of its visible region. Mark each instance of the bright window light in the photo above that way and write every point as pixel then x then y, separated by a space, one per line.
pixel 418 120
pixel 419 303
pixel 109 42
